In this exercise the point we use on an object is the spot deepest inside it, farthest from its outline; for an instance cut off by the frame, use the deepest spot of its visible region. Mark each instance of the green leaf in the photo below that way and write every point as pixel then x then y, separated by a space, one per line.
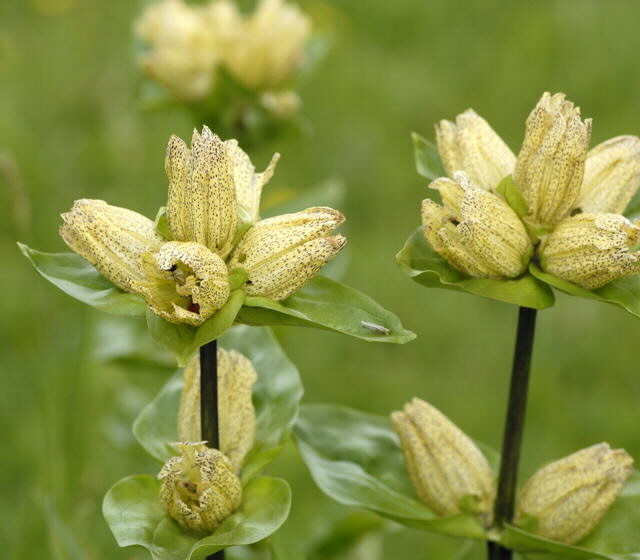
pixel 77 278
pixel 623 292
pixel 132 509
pixel 276 396
pixel 428 268
pixel 428 163
pixel 185 340
pixel 355 458
pixel 162 224
pixel 327 304
pixel 616 537
pixel 507 188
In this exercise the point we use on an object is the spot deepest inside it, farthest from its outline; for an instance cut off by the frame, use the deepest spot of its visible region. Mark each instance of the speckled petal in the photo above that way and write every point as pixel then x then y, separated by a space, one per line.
pixel 236 414
pixel 110 238
pixel 280 254
pixel 611 175
pixel 472 146
pixel 570 496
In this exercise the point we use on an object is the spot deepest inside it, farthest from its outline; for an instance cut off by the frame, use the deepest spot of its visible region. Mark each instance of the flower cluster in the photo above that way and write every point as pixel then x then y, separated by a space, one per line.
pixel 212 218
pixel 188 43
pixel 562 501
pixel 572 198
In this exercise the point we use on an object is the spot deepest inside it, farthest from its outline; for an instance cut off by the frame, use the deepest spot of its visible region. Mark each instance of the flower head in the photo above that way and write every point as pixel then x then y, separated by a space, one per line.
pixel 111 238
pixel 569 497
pixel 591 250
pixel 472 146
pixel 550 166
pixel 236 415
pixel 476 231
pixel 449 473
pixel 199 487
pixel 281 253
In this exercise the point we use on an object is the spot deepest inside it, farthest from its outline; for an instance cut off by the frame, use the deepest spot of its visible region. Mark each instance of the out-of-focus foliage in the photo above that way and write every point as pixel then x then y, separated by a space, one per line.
pixel 70 128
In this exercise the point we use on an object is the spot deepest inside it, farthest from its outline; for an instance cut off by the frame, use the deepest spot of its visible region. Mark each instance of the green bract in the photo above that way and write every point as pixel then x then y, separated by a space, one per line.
pixel 355 458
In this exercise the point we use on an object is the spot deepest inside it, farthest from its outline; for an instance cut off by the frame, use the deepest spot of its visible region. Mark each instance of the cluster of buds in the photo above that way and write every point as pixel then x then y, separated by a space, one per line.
pixel 199 487
pixel 214 229
pixel 574 198
pixel 562 501
pixel 236 415
pixel 188 44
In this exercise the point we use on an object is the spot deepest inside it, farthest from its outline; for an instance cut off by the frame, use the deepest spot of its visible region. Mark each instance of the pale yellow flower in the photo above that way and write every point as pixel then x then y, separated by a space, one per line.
pixel 472 146
pixel 611 175
pixel 448 471
pixel 182 53
pixel 570 496
pixel 476 231
pixel 281 253
pixel 184 282
pixel 199 487
pixel 591 250
pixel 236 415
pixel 112 239
pixel 550 166
pixel 268 46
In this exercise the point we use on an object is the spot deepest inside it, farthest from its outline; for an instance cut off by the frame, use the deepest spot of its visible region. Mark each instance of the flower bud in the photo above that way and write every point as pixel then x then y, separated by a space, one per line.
pixel 283 104
pixel 182 53
pixel 591 250
pixel 199 488
pixel 184 282
pixel 110 238
pixel 236 415
pixel 476 231
pixel 448 471
pixel 248 183
pixel 569 497
pixel 202 198
pixel 268 46
pixel 472 146
pixel 611 175
pixel 550 165
pixel 281 253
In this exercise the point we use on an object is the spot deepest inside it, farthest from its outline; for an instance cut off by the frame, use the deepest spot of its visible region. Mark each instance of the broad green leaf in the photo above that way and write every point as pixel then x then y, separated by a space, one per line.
pixel 355 458
pixel 428 268
pixel 616 537
pixel 132 509
pixel 185 340
pixel 77 278
pixel 507 188
pixel 276 395
pixel 428 163
pixel 327 304
pixel 623 292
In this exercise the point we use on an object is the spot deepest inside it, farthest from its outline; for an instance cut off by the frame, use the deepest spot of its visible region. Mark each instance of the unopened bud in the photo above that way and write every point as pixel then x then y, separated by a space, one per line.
pixel 472 146
pixel 281 253
pixel 550 166
pixel 201 205
pixel 476 231
pixel 111 238
pixel 448 471
pixel 236 415
pixel 566 499
pixel 184 282
pixel 591 250
pixel 199 488
pixel 611 175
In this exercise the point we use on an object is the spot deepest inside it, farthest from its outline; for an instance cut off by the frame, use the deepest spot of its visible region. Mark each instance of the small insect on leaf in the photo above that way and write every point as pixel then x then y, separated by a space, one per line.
pixel 375 327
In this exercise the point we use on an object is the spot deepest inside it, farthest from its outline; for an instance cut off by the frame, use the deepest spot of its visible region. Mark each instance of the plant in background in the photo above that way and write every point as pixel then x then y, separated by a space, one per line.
pixel 235 71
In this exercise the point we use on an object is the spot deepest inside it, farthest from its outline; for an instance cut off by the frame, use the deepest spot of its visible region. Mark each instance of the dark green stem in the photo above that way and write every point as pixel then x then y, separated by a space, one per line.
pixel 209 431
pixel 513 429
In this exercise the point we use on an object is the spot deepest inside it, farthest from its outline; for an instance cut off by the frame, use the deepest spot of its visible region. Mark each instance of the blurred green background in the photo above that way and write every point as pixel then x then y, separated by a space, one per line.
pixel 71 127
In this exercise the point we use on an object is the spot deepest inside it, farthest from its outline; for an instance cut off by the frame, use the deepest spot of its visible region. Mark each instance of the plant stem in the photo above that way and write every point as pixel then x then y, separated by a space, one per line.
pixel 209 431
pixel 514 426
